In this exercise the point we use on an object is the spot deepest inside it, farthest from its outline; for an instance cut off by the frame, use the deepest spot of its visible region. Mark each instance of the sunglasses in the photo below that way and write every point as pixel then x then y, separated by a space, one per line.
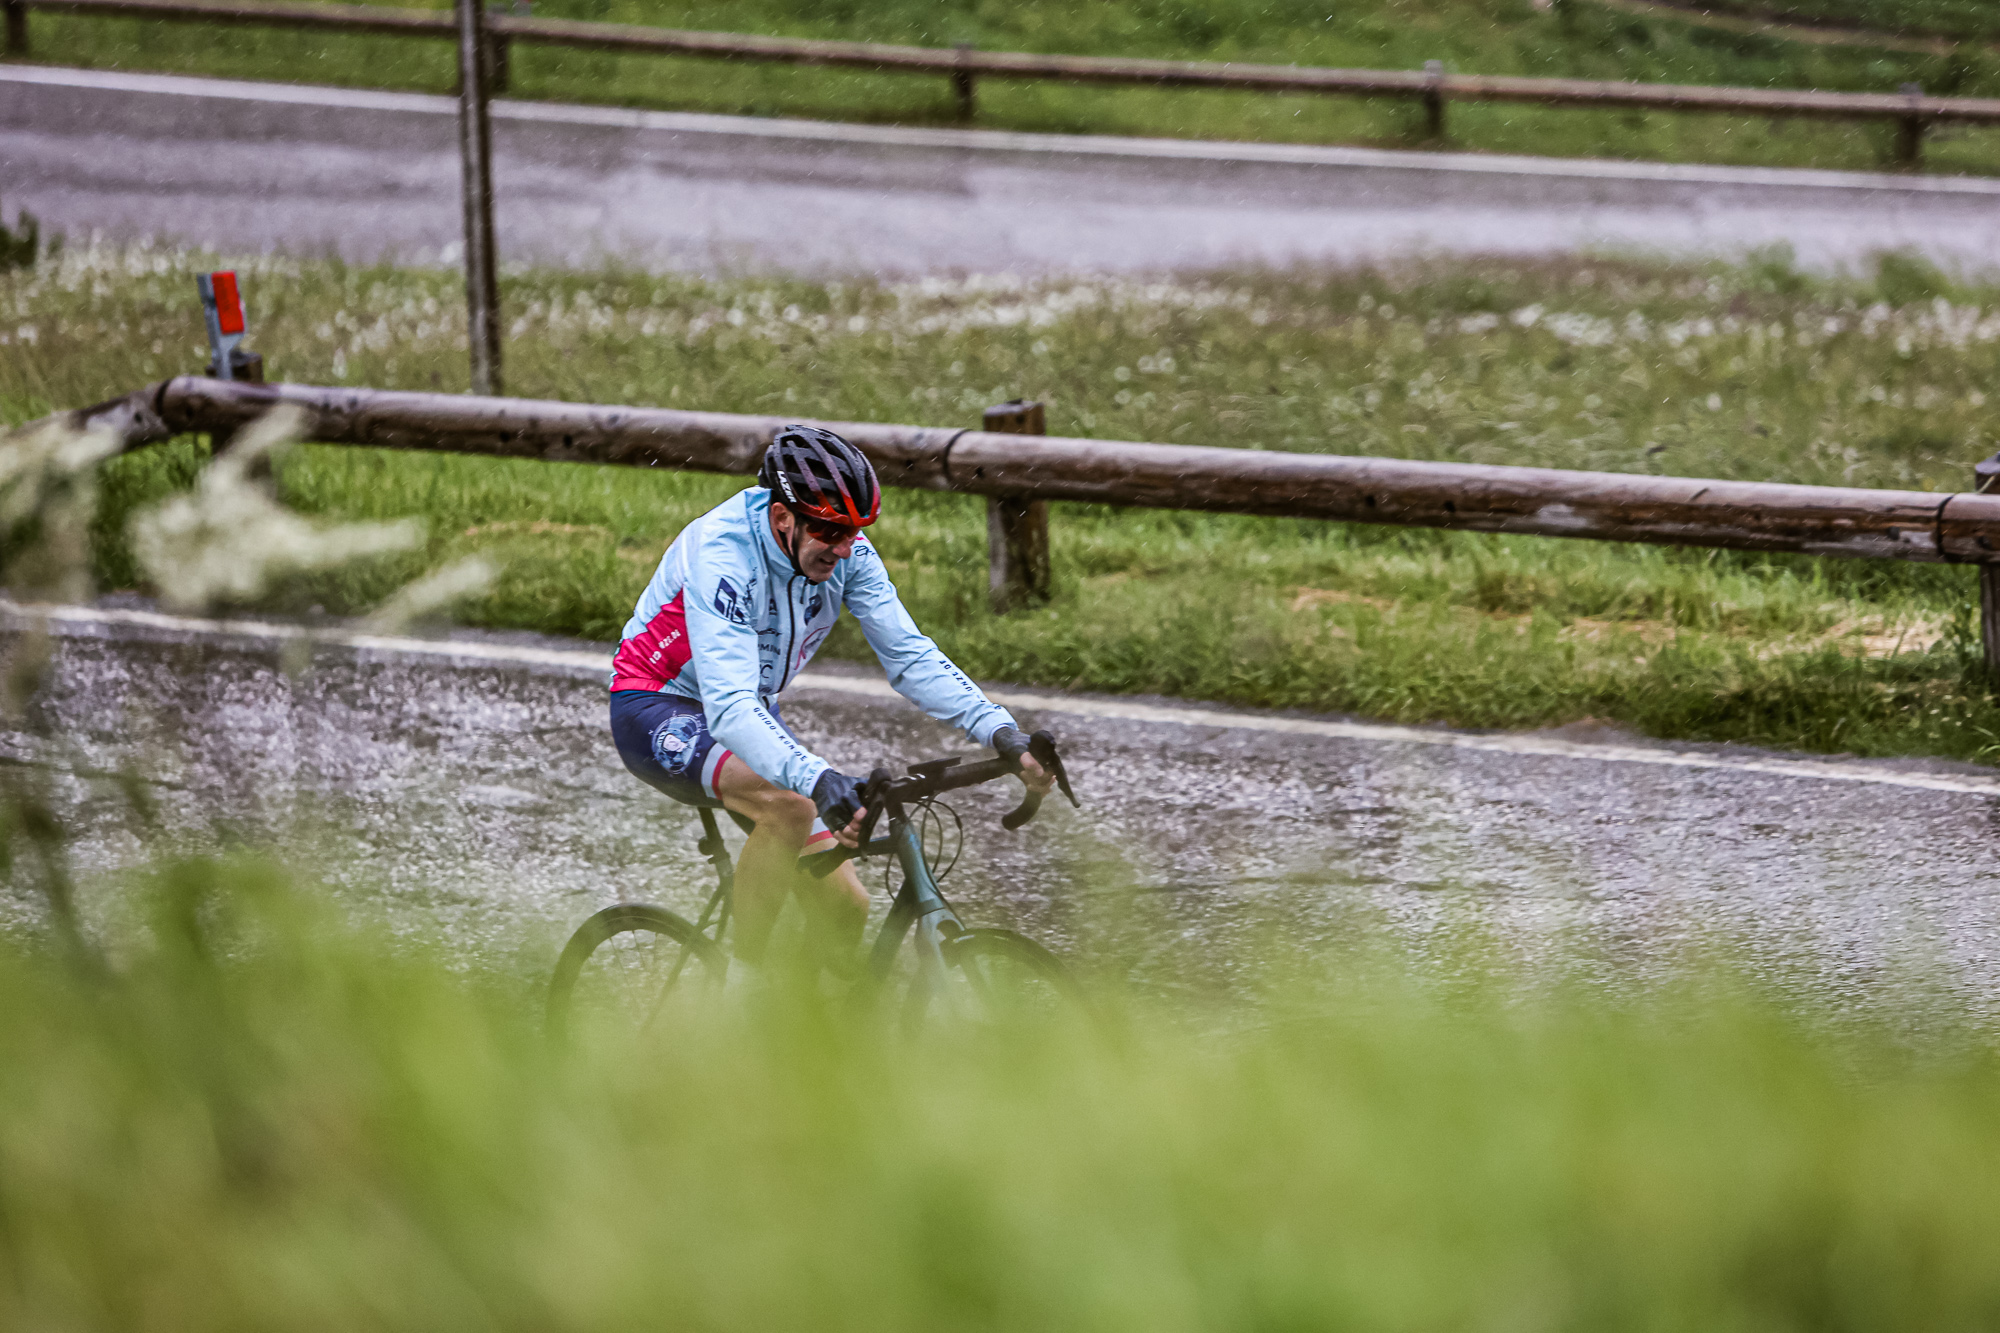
pixel 833 534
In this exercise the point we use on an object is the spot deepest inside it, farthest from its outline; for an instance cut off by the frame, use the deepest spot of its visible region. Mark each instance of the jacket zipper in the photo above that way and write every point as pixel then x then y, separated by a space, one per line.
pixel 791 637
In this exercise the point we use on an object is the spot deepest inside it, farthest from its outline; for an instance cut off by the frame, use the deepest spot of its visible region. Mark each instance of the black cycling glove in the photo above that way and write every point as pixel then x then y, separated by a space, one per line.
pixel 1011 742
pixel 838 798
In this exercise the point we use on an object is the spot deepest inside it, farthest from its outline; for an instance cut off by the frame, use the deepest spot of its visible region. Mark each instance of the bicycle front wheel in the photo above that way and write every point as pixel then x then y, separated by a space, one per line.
pixel 996 976
pixel 629 965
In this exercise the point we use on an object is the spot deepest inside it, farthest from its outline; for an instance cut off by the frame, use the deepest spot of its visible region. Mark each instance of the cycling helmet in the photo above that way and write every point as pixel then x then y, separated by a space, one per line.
pixel 818 475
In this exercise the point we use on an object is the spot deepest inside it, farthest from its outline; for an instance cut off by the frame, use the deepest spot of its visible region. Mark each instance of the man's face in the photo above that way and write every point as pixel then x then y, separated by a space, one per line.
pixel 821 546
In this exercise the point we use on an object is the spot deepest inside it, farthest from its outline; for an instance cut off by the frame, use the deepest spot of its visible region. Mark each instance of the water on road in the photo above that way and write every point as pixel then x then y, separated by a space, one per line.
pixel 476 797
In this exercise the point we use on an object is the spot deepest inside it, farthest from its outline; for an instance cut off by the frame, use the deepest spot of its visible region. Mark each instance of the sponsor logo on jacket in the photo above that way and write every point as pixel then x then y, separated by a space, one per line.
pixel 730 604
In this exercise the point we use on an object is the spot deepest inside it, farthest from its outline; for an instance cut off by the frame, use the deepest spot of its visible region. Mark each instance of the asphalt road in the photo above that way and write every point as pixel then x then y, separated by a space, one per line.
pixel 467 788
pixel 247 167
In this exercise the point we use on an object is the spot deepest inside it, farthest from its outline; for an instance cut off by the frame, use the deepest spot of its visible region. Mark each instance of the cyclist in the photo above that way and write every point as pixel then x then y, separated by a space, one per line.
pixel 740 602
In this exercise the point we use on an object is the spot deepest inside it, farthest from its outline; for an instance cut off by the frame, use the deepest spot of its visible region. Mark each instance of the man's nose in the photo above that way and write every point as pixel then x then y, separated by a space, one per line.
pixel 842 548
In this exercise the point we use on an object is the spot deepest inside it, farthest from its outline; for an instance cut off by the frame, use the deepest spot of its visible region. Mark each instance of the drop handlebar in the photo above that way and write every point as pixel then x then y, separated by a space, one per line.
pixel 934 777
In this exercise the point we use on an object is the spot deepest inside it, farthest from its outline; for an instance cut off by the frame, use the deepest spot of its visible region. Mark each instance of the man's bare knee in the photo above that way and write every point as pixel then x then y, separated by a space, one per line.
pixel 785 813
pixel 787 810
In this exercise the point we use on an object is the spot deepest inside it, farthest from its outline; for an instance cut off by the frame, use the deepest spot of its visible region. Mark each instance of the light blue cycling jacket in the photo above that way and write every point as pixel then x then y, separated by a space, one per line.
pixel 727 622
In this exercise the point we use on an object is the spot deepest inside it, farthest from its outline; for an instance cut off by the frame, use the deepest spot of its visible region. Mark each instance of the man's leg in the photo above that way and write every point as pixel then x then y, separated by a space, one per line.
pixel 768 868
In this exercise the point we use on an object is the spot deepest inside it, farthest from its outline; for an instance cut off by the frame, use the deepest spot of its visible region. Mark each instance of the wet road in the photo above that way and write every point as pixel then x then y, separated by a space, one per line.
pixel 468 787
pixel 247 167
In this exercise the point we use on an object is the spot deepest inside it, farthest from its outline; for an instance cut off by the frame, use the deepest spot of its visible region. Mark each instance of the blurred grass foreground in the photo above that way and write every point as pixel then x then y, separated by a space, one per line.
pixel 259 1118
pixel 226 1104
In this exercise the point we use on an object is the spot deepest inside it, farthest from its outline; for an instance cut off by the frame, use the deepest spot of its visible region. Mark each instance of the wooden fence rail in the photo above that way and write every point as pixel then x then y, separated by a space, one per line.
pixel 1911 109
pixel 1014 470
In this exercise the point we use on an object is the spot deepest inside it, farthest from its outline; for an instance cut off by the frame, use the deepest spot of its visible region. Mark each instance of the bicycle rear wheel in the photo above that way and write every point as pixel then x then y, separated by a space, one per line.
pixel 629 964
pixel 999 976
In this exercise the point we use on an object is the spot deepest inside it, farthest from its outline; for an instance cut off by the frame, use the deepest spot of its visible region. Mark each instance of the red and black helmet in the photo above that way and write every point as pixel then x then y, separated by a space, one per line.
pixel 818 475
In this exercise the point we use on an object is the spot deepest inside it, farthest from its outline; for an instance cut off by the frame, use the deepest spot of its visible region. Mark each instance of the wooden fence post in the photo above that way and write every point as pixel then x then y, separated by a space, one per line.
pixel 962 85
pixel 1986 478
pixel 17 27
pixel 499 64
pixel 1910 129
pixel 1434 98
pixel 1017 530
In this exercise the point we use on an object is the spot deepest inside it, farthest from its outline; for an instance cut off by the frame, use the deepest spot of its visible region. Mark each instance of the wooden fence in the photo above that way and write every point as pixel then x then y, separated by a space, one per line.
pixel 1019 471
pixel 1911 109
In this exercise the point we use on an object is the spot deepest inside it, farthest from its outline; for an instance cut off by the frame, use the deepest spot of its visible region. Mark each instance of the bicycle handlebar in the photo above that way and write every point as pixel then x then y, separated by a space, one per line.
pixel 937 776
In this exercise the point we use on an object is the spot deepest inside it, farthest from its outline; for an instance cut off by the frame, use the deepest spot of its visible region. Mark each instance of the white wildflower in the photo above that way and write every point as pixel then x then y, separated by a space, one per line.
pixel 433 592
pixel 226 538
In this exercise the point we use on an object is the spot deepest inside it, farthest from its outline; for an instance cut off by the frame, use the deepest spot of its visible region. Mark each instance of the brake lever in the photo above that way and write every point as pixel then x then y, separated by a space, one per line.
pixel 1042 746
pixel 871 800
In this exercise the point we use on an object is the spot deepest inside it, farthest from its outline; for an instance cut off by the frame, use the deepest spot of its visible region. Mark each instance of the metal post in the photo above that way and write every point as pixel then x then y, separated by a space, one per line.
pixel 1017 530
pixel 1434 98
pixel 1910 129
pixel 17 27
pixel 961 84
pixel 475 143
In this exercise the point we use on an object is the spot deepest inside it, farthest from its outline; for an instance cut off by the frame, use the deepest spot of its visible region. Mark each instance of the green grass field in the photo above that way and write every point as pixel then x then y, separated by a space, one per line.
pixel 262 1118
pixel 1575 39
pixel 1756 372
pixel 1957 18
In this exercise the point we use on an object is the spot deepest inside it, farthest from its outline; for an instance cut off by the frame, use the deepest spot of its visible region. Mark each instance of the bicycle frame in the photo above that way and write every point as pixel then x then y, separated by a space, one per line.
pixel 918 904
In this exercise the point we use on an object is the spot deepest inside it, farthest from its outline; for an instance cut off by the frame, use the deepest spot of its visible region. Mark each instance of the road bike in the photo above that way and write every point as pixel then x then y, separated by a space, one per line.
pixel 637 961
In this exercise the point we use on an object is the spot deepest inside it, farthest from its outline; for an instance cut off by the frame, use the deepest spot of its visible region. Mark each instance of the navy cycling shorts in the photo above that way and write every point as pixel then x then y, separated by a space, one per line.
pixel 665 743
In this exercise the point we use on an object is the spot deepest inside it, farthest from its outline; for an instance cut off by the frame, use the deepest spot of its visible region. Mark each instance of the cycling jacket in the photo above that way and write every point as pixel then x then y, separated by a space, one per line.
pixel 728 622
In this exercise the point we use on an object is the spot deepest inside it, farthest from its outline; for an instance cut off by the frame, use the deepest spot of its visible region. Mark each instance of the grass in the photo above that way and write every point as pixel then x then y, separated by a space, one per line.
pixel 1574 39
pixel 264 1118
pixel 1756 372
pixel 1956 18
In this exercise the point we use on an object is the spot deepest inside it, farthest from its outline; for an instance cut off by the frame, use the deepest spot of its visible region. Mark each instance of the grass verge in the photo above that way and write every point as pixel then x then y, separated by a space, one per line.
pixel 263 1119
pixel 1574 39
pixel 1756 372
pixel 1970 19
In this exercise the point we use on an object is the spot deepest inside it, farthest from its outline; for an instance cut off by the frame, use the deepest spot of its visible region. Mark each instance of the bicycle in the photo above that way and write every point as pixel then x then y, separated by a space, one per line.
pixel 637 957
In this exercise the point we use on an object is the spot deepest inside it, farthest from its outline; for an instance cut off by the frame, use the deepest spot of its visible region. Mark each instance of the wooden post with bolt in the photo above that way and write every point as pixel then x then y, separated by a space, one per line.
pixel 962 85
pixel 1986 479
pixel 17 26
pixel 475 143
pixel 1910 129
pixel 1017 529
pixel 499 64
pixel 1434 98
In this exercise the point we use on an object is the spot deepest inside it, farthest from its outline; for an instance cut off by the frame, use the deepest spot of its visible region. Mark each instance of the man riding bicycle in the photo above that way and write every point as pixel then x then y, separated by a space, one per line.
pixel 740 602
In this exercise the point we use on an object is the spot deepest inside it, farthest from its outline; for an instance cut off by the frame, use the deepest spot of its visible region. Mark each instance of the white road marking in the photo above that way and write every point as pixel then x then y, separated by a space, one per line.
pixel 1007 141
pixel 593 664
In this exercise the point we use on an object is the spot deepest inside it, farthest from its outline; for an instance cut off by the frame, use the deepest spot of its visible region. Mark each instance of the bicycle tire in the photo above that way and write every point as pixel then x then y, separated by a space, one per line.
pixel 639 980
pixel 1010 977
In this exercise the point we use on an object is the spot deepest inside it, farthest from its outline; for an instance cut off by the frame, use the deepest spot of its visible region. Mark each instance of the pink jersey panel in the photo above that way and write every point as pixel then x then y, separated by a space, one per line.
pixel 656 654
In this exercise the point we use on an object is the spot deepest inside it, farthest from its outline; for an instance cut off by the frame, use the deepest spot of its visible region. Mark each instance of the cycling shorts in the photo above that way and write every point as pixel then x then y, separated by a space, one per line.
pixel 665 743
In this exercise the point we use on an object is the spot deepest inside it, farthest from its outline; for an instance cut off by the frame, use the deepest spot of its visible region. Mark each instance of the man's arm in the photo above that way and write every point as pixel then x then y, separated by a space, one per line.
pixel 916 666
pixel 722 592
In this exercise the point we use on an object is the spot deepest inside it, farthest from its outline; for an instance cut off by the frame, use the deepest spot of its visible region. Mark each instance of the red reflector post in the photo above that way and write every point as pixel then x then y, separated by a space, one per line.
pixel 228 303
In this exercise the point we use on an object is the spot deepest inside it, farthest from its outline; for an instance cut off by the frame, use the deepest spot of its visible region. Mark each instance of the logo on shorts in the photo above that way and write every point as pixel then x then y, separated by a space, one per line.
pixel 677 744
pixel 729 603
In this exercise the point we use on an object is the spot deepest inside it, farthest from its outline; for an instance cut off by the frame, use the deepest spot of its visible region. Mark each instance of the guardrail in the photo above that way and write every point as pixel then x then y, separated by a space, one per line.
pixel 1911 109
pixel 1019 471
